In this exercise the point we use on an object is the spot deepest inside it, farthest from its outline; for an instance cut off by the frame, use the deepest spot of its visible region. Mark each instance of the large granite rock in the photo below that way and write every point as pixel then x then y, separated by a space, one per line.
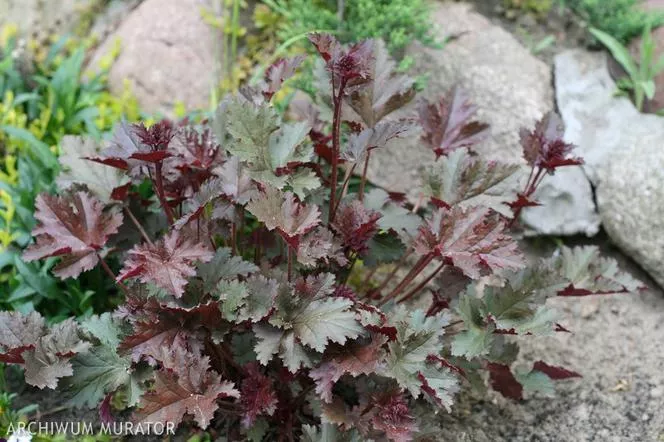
pixel 630 197
pixel 41 18
pixel 512 88
pixel 167 54
pixel 622 152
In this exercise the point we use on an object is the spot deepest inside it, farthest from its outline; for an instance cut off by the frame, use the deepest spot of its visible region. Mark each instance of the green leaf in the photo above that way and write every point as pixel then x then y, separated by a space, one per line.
pixel 258 430
pixel 104 328
pixel 223 266
pixel 326 320
pixel 286 145
pixel 97 372
pixel 252 300
pixel 459 177
pixel 442 383
pixel 251 127
pixel 394 217
pixel 326 433
pixel 303 181
pixel 619 52
pixel 418 336
pixel 585 269
pixel 39 149
pixel 648 87
pixel 477 338
pixel 535 381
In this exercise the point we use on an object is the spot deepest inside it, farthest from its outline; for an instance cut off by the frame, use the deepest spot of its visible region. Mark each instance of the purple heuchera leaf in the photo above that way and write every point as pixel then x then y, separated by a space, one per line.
pixel 470 239
pixel 349 67
pixel 555 372
pixel 128 151
pixel 503 381
pixel 184 385
pixel 156 326
pixel 356 225
pixel 393 417
pixel 74 227
pixel 282 211
pixel 166 263
pixel 278 72
pixel 355 359
pixel 448 124
pixel 257 394
pixel 544 146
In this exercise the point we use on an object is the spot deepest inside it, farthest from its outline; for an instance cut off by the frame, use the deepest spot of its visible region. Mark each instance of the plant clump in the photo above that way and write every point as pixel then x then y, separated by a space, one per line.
pixel 241 238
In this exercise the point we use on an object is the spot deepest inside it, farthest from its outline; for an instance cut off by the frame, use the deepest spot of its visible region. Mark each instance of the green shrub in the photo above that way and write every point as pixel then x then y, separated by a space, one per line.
pixel 622 19
pixel 398 22
pixel 538 7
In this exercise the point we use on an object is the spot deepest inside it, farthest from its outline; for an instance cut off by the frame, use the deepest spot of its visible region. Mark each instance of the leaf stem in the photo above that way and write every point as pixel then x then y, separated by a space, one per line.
pixel 349 174
pixel 336 139
pixel 138 225
pixel 158 185
pixel 363 181
pixel 416 270
pixel 110 273
pixel 234 238
pixel 290 262
pixel 421 285
pixel 394 271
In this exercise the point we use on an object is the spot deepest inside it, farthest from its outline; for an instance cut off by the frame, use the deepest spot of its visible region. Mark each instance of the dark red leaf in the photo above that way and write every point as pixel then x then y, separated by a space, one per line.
pixel 257 394
pixel 555 372
pixel 158 136
pixel 544 146
pixel 447 124
pixel 349 67
pixel 504 382
pixel 166 263
pixel 560 328
pixel 74 227
pixel 471 240
pixel 393 417
pixel 356 225
pixel 105 414
pixel 278 72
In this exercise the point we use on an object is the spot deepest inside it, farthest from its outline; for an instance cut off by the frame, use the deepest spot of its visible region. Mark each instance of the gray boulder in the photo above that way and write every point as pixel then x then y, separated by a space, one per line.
pixel 40 19
pixel 630 197
pixel 623 156
pixel 167 54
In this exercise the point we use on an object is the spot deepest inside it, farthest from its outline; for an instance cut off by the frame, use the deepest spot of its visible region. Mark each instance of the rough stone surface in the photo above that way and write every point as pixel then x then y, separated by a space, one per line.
pixel 513 90
pixel 41 18
pixel 567 205
pixel 630 197
pixel 167 54
pixel 623 155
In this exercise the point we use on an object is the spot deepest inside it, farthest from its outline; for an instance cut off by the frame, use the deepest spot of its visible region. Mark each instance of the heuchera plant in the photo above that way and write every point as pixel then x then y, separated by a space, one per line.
pixel 240 241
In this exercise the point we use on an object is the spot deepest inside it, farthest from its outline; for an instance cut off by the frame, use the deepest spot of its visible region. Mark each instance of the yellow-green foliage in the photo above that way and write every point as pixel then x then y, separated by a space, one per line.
pixel 539 7
pixel 45 95
pixel 56 108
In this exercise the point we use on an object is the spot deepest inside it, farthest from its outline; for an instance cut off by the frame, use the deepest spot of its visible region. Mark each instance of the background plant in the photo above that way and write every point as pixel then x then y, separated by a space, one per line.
pixel 621 19
pixel 641 73
pixel 237 270
pixel 42 101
